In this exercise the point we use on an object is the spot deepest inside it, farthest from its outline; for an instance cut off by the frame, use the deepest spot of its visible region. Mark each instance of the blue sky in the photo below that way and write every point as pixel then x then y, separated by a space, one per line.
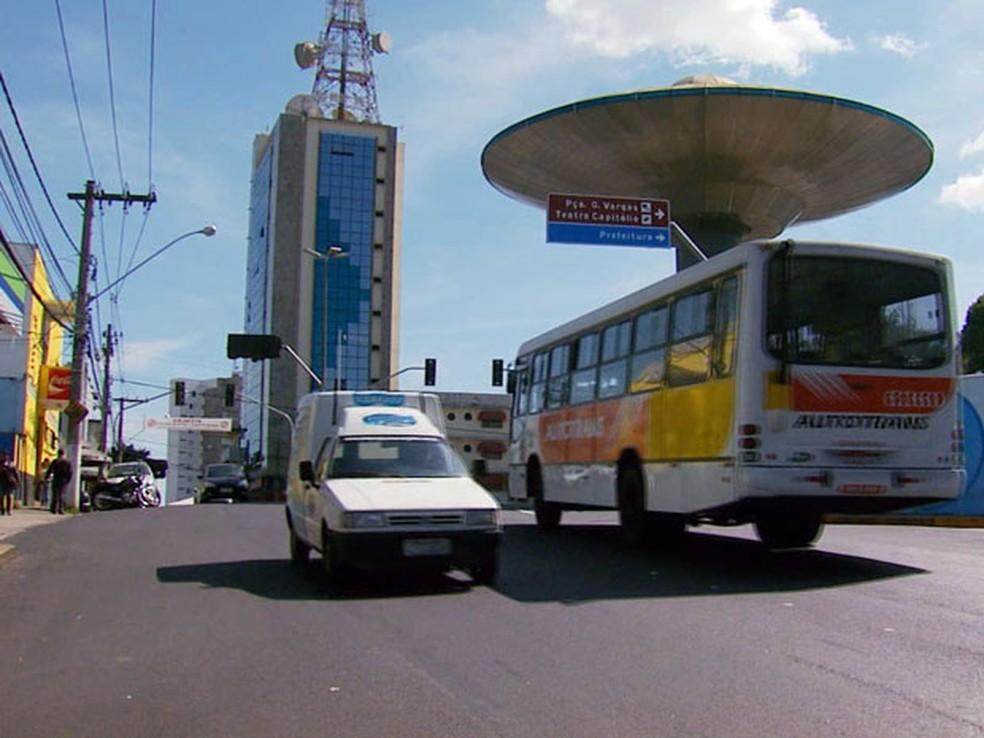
pixel 478 278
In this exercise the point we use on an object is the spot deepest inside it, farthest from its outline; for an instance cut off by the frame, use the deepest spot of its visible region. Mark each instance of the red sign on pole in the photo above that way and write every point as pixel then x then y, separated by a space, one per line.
pixel 56 384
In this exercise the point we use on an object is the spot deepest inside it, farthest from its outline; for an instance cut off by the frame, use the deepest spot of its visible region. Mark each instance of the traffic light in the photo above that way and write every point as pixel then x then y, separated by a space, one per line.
pixel 496 372
pixel 179 393
pixel 230 395
pixel 255 346
pixel 430 372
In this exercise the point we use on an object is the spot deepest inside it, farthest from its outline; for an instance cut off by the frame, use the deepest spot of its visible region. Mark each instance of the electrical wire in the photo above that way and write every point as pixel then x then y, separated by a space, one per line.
pixel 75 94
pixel 31 220
pixel 112 95
pixel 34 165
pixel 17 265
pixel 150 97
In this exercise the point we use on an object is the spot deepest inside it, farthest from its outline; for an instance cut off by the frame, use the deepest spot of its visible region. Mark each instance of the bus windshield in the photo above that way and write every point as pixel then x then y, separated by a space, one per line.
pixel 856 312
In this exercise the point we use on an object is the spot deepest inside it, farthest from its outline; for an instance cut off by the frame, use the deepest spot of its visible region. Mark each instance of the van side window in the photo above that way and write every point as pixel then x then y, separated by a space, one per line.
pixel 323 460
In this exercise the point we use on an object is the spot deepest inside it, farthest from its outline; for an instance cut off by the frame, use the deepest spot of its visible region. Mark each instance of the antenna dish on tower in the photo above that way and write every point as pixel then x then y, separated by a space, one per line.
pixel 382 42
pixel 304 104
pixel 345 86
pixel 306 54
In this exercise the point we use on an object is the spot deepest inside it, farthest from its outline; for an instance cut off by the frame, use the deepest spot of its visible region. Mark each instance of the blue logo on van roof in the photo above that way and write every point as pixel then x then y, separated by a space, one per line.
pixel 389 419
pixel 366 399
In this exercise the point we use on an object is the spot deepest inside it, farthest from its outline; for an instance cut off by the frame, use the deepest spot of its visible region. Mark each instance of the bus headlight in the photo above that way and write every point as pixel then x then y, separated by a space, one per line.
pixel 365 520
pixel 482 517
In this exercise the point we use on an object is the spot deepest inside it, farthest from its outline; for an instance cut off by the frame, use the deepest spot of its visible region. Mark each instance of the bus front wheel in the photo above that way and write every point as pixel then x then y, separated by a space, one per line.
pixel 785 529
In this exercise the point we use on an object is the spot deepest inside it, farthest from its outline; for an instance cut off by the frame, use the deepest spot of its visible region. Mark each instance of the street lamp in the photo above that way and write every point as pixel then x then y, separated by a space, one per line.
pixel 333 252
pixel 76 409
pixel 208 231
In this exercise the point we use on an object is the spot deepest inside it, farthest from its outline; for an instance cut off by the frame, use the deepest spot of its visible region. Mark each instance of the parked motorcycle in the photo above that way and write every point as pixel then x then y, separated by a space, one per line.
pixel 131 491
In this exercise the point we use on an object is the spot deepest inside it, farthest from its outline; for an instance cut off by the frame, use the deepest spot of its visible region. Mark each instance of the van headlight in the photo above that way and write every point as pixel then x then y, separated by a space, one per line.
pixel 365 520
pixel 482 517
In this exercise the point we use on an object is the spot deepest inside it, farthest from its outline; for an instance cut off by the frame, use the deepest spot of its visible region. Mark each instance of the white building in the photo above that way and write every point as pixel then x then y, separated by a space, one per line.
pixel 478 428
pixel 189 452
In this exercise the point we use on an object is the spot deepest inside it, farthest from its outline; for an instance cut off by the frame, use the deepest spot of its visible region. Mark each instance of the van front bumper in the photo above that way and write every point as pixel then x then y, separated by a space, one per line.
pixel 415 549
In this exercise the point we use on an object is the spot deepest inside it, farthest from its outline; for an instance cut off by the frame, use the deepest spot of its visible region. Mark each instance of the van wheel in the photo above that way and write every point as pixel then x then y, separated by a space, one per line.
pixel 786 529
pixel 329 560
pixel 548 514
pixel 299 550
pixel 485 572
pixel 632 506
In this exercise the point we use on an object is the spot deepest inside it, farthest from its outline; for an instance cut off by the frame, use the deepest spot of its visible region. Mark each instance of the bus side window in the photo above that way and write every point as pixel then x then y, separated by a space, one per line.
pixel 521 396
pixel 539 383
pixel 559 386
pixel 614 348
pixel 585 377
pixel 648 371
pixel 726 328
pixel 691 336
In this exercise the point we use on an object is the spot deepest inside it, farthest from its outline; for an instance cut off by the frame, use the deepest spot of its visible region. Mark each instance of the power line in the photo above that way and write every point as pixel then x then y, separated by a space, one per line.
pixel 112 96
pixel 75 94
pixel 34 166
pixel 150 96
pixel 31 219
pixel 17 265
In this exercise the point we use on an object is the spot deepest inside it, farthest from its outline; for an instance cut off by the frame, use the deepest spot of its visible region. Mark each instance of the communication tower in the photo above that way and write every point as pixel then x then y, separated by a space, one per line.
pixel 345 86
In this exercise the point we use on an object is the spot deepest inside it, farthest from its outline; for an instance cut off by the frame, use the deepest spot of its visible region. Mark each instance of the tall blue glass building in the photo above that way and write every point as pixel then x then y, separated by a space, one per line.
pixel 322 269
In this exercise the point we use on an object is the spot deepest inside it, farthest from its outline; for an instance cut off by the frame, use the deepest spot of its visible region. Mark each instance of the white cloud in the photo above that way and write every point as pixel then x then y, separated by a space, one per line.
pixel 139 356
pixel 899 43
pixel 972 147
pixel 743 32
pixel 967 193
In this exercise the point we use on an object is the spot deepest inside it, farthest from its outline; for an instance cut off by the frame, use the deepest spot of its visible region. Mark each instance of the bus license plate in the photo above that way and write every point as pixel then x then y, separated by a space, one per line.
pixel 426 546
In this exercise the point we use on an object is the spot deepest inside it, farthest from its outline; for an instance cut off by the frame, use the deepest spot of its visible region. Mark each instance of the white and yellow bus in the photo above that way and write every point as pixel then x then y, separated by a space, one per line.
pixel 772 384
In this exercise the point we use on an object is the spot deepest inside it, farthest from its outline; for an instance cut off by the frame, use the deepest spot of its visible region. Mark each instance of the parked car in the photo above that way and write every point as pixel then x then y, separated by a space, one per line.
pixel 222 483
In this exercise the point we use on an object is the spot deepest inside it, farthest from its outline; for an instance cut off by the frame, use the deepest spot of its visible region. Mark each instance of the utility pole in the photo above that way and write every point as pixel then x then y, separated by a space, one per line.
pixel 106 399
pixel 76 410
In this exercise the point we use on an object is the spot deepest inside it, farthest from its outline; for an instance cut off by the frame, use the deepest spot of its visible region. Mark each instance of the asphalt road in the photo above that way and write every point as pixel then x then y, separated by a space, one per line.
pixel 191 622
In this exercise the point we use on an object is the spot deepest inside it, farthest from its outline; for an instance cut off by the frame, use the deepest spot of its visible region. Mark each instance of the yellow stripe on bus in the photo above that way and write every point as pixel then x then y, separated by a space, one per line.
pixel 692 422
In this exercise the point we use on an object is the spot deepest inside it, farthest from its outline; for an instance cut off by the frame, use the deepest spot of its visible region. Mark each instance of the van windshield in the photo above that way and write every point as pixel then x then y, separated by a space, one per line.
pixel 394 457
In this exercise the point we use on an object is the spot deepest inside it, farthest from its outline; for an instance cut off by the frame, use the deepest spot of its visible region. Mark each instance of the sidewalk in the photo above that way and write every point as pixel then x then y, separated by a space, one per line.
pixel 22 519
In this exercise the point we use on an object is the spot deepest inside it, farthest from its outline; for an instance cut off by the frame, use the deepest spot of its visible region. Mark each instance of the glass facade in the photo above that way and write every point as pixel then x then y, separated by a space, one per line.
pixel 340 325
pixel 256 308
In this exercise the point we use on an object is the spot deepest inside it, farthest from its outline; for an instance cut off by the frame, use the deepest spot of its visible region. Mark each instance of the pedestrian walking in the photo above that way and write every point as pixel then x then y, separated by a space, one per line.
pixel 60 473
pixel 8 484
pixel 41 484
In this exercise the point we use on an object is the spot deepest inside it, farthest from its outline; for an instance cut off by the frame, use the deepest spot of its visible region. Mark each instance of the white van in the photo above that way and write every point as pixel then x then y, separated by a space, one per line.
pixel 373 482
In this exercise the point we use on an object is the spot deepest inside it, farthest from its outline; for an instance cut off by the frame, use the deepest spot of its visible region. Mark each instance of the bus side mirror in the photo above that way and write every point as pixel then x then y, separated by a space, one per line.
pixel 511 382
pixel 306 471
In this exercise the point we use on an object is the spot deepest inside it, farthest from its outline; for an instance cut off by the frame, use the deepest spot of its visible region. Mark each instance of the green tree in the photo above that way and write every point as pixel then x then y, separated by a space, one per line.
pixel 972 338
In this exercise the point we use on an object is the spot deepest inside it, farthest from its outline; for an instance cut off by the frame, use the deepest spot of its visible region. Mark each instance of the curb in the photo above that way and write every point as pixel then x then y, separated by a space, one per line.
pixel 942 521
pixel 6 552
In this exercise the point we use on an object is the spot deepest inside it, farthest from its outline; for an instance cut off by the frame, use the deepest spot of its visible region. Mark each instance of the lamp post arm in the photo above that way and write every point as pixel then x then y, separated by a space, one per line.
pixel 271 408
pixel 209 230
pixel 304 366
pixel 396 374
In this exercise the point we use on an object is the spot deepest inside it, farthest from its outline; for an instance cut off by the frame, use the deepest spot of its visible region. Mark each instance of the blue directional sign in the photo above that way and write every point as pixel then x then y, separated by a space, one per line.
pixel 608 221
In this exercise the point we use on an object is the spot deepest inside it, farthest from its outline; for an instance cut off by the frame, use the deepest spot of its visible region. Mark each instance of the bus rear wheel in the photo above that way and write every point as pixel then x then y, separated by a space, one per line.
pixel 786 529
pixel 632 506
pixel 548 514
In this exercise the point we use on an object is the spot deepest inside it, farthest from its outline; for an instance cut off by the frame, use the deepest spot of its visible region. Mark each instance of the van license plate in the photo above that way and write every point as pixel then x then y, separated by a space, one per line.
pixel 426 546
